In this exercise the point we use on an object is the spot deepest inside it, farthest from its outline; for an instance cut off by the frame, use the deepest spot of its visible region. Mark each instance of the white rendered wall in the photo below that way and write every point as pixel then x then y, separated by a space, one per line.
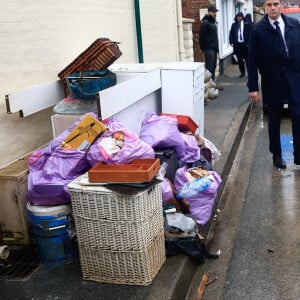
pixel 39 38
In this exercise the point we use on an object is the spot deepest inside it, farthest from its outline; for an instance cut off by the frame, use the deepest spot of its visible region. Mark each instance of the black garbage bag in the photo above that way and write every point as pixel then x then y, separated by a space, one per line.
pixel 200 163
pixel 190 245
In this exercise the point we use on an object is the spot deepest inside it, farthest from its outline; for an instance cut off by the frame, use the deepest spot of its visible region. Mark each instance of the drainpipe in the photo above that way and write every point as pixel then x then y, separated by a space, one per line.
pixel 138 30
pixel 180 31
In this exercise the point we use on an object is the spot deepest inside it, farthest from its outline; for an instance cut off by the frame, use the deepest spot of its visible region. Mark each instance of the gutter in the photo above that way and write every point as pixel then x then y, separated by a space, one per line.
pixel 138 30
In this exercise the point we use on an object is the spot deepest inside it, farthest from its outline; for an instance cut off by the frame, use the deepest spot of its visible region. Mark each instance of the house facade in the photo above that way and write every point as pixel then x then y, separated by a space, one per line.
pixel 227 9
pixel 40 38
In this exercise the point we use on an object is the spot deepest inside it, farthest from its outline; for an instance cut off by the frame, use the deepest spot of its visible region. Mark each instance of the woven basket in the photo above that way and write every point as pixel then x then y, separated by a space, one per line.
pixel 118 235
pixel 99 55
pixel 119 267
pixel 97 202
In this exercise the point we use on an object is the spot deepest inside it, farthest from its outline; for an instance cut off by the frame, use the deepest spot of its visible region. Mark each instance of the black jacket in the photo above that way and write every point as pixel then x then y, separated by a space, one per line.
pixel 208 36
pixel 267 55
pixel 233 34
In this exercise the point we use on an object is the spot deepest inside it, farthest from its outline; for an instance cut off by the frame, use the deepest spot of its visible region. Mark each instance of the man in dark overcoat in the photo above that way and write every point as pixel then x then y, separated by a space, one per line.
pixel 239 39
pixel 275 51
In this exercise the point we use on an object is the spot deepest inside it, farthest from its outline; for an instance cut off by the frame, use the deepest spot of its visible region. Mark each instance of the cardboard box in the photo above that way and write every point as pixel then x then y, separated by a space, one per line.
pixel 84 134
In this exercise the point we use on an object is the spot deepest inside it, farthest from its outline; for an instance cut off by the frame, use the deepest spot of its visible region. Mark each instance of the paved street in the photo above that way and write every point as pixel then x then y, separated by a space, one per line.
pixel 258 227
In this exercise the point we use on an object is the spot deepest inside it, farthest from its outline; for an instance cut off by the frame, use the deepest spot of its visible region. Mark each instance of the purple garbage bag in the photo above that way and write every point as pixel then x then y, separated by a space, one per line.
pixel 52 168
pixel 49 193
pixel 38 158
pixel 132 148
pixel 162 132
pixel 167 192
pixel 48 185
pixel 202 204
pixel 191 148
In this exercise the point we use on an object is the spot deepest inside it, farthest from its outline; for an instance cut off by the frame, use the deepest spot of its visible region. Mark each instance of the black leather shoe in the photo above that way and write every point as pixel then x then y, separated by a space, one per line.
pixel 278 162
pixel 242 75
pixel 296 161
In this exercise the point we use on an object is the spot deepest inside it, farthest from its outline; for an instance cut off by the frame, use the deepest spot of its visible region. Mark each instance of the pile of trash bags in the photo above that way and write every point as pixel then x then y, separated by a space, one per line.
pixel 210 90
pixel 190 188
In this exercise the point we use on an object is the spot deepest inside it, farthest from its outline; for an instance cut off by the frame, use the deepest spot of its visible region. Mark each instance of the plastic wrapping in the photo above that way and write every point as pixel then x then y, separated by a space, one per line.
pixel 201 204
pixel 194 187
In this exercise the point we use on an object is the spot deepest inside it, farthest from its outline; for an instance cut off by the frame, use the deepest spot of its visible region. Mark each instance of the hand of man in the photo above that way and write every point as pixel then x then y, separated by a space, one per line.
pixel 254 96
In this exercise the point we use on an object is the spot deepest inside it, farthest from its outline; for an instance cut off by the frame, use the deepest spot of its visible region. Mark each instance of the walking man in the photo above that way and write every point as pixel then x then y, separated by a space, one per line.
pixel 239 40
pixel 208 40
pixel 274 51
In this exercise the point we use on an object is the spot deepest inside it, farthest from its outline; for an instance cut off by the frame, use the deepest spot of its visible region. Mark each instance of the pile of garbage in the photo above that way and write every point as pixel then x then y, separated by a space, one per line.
pixel 187 177
pixel 210 87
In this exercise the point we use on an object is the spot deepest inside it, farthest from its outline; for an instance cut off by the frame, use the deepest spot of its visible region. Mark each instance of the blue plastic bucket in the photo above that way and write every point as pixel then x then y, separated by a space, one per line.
pixel 54 233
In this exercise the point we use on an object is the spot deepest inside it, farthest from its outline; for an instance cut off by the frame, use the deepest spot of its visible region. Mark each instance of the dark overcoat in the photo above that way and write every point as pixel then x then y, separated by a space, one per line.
pixel 233 33
pixel 279 74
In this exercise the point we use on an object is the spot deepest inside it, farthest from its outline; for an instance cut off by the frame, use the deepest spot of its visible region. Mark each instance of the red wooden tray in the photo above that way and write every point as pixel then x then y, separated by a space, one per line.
pixel 139 170
pixel 185 123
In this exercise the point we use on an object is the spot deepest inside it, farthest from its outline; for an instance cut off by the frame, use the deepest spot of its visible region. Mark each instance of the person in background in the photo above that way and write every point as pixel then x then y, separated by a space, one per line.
pixel 234 53
pixel 274 52
pixel 248 19
pixel 239 35
pixel 249 25
pixel 208 40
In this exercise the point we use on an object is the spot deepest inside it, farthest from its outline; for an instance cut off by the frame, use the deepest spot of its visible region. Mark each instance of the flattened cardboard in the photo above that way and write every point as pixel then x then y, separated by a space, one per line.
pixel 84 134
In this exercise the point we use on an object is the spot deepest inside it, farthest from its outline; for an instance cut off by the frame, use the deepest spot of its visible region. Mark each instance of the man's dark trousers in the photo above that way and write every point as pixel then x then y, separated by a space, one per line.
pixel 242 56
pixel 275 115
pixel 211 61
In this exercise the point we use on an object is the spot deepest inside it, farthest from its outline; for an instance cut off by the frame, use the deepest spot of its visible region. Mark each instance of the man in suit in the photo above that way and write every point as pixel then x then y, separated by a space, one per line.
pixel 274 51
pixel 239 40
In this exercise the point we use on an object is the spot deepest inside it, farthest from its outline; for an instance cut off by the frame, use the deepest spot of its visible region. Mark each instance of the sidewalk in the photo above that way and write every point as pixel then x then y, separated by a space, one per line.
pixel 224 121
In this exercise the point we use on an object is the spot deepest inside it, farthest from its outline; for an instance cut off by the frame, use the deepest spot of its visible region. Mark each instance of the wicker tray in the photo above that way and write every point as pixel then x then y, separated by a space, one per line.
pixel 119 267
pixel 139 170
pixel 99 55
pixel 118 235
pixel 98 202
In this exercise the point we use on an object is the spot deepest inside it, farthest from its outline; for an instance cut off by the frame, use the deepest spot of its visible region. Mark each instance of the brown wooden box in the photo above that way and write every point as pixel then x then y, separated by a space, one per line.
pixel 99 55
pixel 139 170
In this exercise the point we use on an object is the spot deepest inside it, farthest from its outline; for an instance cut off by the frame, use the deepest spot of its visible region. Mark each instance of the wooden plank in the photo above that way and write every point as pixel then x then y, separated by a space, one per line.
pixel 201 288
pixel 35 99
pixel 128 92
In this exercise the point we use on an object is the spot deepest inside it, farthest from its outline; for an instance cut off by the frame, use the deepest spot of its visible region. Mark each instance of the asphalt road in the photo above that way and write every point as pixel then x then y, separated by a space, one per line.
pixel 258 228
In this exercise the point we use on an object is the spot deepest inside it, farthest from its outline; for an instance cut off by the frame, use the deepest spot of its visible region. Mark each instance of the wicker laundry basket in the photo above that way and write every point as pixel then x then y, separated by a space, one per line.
pixel 98 202
pixel 120 233
pixel 124 267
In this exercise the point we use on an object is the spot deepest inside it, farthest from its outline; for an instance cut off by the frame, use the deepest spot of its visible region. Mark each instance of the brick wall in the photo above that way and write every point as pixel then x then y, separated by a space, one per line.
pixel 190 9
